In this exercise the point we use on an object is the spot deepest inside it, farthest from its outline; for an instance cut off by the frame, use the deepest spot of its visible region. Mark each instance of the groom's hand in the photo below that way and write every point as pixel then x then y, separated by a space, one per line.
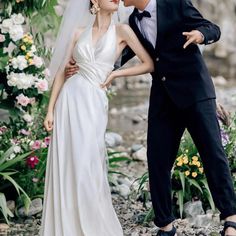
pixel 71 68
pixel 195 36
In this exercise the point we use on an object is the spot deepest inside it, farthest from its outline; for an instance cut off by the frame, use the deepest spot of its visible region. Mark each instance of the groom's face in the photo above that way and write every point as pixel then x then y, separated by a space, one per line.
pixel 129 3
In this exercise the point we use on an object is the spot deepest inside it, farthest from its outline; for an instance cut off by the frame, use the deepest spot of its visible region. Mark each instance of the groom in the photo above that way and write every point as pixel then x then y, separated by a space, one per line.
pixel 182 96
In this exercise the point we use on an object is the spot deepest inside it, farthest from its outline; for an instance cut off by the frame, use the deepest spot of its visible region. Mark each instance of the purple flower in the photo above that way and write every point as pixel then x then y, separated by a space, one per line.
pixel 224 138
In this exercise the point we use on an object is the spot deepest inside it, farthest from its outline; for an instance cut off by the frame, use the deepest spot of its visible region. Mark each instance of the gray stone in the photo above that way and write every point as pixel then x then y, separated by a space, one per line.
pixel 140 155
pixel 11 205
pixel 193 209
pixel 113 139
pixel 124 190
pixel 136 147
pixel 3 227
pixel 36 206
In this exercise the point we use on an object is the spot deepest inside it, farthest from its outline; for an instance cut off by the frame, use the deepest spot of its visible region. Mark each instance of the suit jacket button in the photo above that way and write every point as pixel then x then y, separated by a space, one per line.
pixel 163 79
pixel 157 59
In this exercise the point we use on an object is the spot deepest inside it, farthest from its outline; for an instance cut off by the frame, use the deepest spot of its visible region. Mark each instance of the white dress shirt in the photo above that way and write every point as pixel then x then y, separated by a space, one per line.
pixel 148 26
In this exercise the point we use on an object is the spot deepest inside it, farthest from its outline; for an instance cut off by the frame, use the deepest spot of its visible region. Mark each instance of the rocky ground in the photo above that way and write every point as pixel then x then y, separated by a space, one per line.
pixel 130 122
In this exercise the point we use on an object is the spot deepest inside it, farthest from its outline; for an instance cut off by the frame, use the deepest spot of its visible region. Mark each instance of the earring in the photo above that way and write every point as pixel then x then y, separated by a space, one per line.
pixel 94 9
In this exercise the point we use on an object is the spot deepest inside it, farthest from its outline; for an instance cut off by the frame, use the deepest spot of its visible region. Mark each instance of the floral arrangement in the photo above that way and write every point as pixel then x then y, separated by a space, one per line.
pixel 23 74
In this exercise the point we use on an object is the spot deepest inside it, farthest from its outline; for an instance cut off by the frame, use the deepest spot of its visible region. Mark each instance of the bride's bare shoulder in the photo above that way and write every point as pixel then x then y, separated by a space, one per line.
pixel 124 30
pixel 123 27
pixel 78 32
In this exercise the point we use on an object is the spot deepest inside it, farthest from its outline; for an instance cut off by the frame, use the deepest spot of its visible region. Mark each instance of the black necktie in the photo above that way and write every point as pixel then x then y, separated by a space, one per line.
pixel 142 14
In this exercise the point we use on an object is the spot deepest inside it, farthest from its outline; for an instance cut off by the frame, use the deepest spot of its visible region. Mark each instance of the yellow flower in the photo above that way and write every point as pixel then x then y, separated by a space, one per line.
pixel 23 47
pixel 185 159
pixel 194 163
pixel 185 162
pixel 31 41
pixel 186 150
pixel 30 61
pixel 179 158
pixel 198 164
pixel 25 40
pixel 201 170
pixel 194 174
pixel 179 163
pixel 187 173
pixel 26 57
pixel 195 158
pixel 28 54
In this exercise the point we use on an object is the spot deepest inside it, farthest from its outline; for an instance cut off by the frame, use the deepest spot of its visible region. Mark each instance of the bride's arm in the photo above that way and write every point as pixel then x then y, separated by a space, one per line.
pixel 56 87
pixel 126 36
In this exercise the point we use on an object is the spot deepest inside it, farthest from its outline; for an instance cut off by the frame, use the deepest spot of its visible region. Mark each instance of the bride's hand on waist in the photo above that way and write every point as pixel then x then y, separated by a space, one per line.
pixel 71 68
pixel 48 121
pixel 109 80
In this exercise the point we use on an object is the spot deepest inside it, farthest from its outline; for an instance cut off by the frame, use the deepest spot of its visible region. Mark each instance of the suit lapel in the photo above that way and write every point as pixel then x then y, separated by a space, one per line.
pixel 149 47
pixel 162 17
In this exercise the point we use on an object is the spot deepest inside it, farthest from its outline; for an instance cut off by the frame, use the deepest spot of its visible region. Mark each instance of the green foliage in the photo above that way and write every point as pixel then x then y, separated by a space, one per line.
pixel 7 176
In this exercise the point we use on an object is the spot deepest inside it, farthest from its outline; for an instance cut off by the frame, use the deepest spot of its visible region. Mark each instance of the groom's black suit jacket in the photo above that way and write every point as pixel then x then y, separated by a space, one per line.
pixel 182 71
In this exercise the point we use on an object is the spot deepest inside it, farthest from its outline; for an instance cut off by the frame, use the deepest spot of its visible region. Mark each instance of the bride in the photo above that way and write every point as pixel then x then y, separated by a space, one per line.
pixel 77 198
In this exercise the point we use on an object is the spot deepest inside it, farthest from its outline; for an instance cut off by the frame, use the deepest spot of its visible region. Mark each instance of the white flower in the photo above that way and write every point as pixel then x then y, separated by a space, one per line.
pixel 21 80
pixel 18 19
pixel 6 25
pixel 47 73
pixel 19 62
pixel 11 47
pixel 37 61
pixel 33 49
pixel 2 38
pixel 17 149
pixel 27 117
pixel 41 85
pixel 12 156
pixel 16 32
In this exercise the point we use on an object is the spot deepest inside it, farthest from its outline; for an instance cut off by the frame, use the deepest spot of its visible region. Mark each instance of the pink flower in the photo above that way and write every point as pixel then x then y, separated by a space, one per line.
pixel 3 129
pixel 23 100
pixel 47 140
pixel 32 161
pixel 2 38
pixel 36 145
pixel 25 132
pixel 41 85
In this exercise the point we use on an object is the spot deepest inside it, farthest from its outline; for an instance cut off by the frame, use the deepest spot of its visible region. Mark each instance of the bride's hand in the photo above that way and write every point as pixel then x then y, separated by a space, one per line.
pixel 108 81
pixel 48 121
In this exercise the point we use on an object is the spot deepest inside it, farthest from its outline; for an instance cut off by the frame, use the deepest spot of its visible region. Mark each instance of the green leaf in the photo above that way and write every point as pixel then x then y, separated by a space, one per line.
pixel 6 155
pixel 118 159
pixel 149 216
pixel 208 194
pixel 14 161
pixel 182 179
pixel 18 188
pixel 4 209
pixel 196 184
pixel 180 196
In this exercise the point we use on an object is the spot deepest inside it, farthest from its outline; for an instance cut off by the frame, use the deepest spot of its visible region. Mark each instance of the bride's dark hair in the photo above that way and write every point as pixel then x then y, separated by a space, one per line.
pixel 91 4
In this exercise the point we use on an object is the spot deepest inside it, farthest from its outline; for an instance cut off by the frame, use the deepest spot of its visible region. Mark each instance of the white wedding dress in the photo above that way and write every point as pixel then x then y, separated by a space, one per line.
pixel 77 198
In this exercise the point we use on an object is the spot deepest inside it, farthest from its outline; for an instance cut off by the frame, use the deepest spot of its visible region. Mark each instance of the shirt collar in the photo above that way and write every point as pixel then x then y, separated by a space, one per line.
pixel 150 6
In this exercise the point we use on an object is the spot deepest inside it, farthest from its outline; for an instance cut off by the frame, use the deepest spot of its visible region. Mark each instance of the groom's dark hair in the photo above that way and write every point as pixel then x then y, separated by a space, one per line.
pixel 91 4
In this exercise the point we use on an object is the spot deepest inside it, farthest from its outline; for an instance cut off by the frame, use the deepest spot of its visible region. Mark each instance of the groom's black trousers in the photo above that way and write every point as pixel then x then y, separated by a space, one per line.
pixel 166 125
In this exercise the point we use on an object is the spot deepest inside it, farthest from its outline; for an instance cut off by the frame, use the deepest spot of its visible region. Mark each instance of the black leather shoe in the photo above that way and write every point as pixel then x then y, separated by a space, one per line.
pixel 228 224
pixel 167 233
